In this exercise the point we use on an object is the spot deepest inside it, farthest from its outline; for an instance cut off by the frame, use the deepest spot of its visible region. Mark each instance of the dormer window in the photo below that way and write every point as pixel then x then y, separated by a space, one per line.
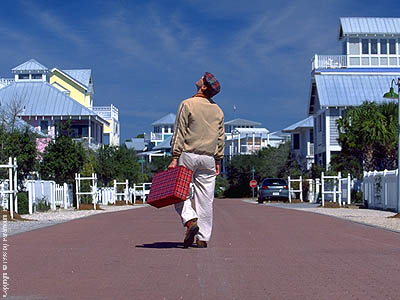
pixel 384 47
pixel 374 46
pixel 364 46
pixel 23 76
pixel 36 76
pixel 392 46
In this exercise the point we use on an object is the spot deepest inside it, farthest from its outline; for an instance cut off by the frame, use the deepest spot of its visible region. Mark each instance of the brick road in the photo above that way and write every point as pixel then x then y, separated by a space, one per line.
pixel 256 252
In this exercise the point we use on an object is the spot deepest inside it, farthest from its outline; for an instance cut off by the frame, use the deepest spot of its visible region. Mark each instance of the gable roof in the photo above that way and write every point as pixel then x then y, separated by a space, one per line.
pixel 166 120
pixel 306 123
pixel 20 124
pixel 80 75
pixel 351 90
pixel 279 135
pixel 42 99
pixel 30 66
pixel 363 25
pixel 138 144
pixel 242 122
pixel 166 144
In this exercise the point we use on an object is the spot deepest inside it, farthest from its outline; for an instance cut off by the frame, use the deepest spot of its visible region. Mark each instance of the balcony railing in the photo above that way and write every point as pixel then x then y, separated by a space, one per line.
pixel 152 137
pixel 107 112
pixel 6 81
pixel 329 61
pixel 310 149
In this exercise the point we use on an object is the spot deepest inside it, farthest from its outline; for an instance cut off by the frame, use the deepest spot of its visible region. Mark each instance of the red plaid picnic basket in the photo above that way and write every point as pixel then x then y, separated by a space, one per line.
pixel 170 187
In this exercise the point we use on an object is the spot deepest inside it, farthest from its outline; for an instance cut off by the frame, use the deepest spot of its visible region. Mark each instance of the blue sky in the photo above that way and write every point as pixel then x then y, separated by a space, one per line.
pixel 146 55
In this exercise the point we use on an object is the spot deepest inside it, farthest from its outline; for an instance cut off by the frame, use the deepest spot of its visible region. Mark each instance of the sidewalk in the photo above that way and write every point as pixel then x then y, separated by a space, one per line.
pixel 256 252
pixel 372 217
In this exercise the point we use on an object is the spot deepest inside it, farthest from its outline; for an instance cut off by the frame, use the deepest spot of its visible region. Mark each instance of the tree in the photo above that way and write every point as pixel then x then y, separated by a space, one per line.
pixel 368 137
pixel 22 145
pixel 62 158
pixel 268 162
pixel 118 163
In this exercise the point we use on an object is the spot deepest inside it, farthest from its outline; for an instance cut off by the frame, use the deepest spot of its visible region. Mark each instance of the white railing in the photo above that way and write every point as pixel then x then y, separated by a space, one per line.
pixel 329 61
pixel 291 190
pixel 6 81
pixel 107 112
pixel 11 192
pixel 64 196
pixel 140 191
pixel 106 195
pixel 49 192
pixel 310 149
pixel 380 190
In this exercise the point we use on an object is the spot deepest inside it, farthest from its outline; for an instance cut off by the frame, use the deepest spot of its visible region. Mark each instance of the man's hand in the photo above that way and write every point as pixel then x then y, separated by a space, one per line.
pixel 217 168
pixel 173 163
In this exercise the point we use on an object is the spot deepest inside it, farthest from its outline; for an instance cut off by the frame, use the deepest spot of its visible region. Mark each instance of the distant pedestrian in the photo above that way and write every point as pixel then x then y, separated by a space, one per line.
pixel 198 144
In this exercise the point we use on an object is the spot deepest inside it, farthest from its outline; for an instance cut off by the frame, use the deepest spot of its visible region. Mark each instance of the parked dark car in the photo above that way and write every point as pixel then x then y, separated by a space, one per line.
pixel 273 188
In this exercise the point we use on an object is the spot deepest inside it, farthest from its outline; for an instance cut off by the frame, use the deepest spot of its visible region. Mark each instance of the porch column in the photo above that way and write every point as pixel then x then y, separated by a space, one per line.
pixel 90 129
pixel 254 142
pixel 239 144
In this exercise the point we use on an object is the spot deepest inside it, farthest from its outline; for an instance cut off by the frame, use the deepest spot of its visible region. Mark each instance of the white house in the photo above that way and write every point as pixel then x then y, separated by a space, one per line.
pixel 364 71
pixel 302 142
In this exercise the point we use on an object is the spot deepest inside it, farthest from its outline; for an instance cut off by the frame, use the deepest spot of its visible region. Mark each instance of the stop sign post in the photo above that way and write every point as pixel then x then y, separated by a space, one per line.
pixel 253 184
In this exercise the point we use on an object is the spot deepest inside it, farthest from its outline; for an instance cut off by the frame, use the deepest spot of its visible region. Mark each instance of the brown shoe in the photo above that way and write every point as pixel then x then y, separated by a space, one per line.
pixel 191 231
pixel 201 244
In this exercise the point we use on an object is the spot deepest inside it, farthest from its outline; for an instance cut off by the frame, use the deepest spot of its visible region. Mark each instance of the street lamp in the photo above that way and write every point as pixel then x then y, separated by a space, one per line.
pixel 392 95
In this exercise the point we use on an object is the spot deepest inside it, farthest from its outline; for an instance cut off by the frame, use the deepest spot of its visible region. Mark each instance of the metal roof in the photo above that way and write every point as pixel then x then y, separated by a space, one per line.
pixel 80 75
pixel 351 90
pixel 166 120
pixel 166 144
pixel 306 123
pixel 279 135
pixel 242 122
pixel 362 25
pixel 21 125
pixel 30 66
pixel 138 144
pixel 42 99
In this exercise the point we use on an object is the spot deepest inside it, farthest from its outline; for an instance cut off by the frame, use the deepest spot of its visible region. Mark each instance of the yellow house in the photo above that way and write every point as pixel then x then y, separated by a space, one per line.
pixel 78 84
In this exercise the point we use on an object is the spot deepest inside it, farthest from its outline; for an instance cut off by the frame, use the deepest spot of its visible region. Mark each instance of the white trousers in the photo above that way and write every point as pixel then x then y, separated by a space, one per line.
pixel 203 167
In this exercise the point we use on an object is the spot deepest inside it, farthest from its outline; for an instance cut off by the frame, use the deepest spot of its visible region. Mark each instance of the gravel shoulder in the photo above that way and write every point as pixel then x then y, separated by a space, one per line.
pixel 44 219
pixel 372 217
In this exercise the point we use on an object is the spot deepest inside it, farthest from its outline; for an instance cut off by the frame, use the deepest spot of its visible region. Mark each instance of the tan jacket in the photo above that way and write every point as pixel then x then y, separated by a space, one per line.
pixel 199 128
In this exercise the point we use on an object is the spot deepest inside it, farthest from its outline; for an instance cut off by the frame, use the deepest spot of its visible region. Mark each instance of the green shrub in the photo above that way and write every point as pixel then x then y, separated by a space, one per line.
pixel 357 197
pixel 221 185
pixel 42 205
pixel 23 203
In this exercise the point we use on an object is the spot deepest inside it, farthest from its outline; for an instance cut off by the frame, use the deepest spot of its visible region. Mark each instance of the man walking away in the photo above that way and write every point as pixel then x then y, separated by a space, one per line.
pixel 198 144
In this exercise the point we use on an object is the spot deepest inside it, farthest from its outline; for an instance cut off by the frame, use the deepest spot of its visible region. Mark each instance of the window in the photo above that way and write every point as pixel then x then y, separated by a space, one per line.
pixel 23 76
pixel 364 45
pixel 354 46
pixel 344 49
pixel 392 46
pixel 320 123
pixel 296 141
pixel 384 46
pixel 36 76
pixel 44 127
pixel 311 135
pixel 374 46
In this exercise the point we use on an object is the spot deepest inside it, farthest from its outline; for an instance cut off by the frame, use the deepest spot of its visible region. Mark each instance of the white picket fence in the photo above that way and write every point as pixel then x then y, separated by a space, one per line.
pixel 108 195
pixel 380 190
pixel 49 192
pixel 330 188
